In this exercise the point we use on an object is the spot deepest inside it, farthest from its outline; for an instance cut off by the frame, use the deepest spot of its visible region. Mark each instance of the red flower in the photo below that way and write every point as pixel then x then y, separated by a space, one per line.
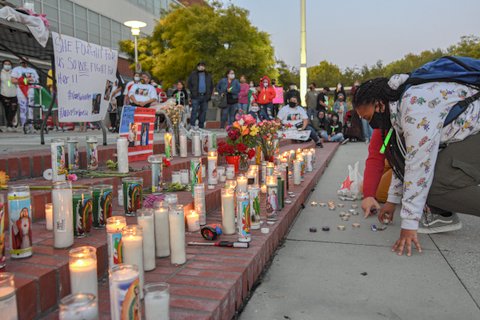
pixel 233 134
pixel 251 153
pixel 166 163
pixel 241 148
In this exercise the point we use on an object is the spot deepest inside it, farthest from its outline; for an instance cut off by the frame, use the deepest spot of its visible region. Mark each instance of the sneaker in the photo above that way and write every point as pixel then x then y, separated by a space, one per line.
pixel 345 141
pixel 435 223
pixel 319 144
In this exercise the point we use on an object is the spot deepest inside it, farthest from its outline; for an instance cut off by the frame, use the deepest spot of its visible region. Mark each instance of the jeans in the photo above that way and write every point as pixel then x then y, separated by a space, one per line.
pixel 199 111
pixel 228 114
pixel 324 135
pixel 267 110
pixel 367 130
pixel 337 137
pixel 244 107
pixel 313 133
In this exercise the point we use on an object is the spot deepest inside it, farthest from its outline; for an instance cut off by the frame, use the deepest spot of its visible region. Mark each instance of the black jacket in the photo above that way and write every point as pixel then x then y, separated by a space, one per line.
pixel 334 129
pixel 192 85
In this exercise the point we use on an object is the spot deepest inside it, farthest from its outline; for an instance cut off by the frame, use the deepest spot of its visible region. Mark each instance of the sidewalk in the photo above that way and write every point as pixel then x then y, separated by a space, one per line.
pixel 319 275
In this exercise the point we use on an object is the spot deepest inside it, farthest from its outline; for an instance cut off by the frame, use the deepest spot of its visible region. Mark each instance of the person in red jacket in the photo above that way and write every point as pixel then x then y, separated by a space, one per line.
pixel 266 96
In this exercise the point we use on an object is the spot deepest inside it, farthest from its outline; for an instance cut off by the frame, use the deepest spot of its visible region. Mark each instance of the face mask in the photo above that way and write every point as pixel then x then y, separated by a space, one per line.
pixel 231 76
pixel 251 85
pixel 254 108
pixel 265 84
pixel 136 79
pixel 292 88
pixel 379 120
pixel 292 104
pixel 7 67
pixel 201 69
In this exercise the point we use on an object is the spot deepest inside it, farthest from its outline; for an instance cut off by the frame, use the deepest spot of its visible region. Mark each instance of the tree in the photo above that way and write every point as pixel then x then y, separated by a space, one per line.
pixel 469 46
pixel 287 74
pixel 324 74
pixel 223 37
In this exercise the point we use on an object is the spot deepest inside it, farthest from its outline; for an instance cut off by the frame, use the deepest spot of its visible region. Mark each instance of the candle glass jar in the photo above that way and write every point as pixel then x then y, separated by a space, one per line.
pixel 102 204
pixel 156 164
pixel 83 270
pixel 48 216
pixel 230 171
pixel 171 200
pixel 8 301
pixel 254 196
pixel 132 195
pixel 122 155
pixel 115 226
pixel 57 152
pixel 157 301
pixel 184 177
pixel 132 248
pixel 199 203
pixel 82 212
pixel 78 306
pixel 212 168
pixel 73 154
pixel 167 140
pixel 243 217
pixel 176 218
pixel 92 153
pixel 145 219
pixel 228 210
pixel 162 232
pixel 195 172
pixel 3 258
pixel 221 174
pixel 62 214
pixel 125 296
pixel 20 213
pixel 193 222
pixel 196 144
pixel 176 177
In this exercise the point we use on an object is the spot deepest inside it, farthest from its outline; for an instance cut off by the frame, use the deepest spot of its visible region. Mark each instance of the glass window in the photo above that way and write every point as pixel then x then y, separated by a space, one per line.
pixel 52 15
pixel 105 37
pixel 94 27
pixel 66 6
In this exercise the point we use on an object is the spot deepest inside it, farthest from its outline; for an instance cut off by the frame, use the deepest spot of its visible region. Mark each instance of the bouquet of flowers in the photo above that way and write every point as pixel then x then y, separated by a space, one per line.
pixel 241 138
pixel 268 137
pixel 174 113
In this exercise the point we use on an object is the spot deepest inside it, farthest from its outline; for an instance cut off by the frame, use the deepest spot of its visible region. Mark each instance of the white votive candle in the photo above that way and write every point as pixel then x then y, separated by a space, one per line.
pixel 83 270
pixel 62 214
pixel 132 241
pixel 228 211
pixel 177 235
pixel 192 221
pixel 162 232
pixel 145 219
pixel 157 301
pixel 212 168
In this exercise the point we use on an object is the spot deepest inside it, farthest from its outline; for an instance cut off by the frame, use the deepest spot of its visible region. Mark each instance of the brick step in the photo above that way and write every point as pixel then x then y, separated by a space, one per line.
pixel 41 287
pixel 25 165
pixel 41 197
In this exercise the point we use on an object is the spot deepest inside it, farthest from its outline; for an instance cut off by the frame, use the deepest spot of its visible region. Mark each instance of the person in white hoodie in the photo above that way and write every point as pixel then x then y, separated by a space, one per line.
pixel 441 163
pixel 8 94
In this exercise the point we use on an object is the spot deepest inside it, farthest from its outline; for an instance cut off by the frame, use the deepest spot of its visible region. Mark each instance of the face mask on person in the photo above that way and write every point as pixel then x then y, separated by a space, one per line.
pixel 7 67
pixel 292 104
pixel 136 79
pixel 231 76
pixel 201 68
pixel 252 85
pixel 265 84
pixel 292 87
pixel 378 120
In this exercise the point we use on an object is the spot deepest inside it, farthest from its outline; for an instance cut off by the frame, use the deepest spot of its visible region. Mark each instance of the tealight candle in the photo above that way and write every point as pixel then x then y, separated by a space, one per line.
pixel 83 270
pixel 228 211
pixel 242 183
pixel 115 225
pixel 49 216
pixel 192 221
pixel 162 232
pixel 177 235
pixel 145 219
pixel 132 241
pixel 8 300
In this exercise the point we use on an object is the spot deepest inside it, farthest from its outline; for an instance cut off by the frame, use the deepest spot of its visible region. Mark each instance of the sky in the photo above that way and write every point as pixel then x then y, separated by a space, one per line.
pixel 352 33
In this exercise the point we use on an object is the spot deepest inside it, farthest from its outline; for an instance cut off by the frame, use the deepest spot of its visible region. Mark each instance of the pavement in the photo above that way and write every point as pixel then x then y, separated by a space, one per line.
pixel 353 274
pixel 18 141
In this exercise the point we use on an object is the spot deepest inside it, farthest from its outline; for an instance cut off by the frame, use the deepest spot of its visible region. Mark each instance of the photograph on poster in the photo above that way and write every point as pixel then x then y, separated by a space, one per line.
pixel 96 101
pixel 108 90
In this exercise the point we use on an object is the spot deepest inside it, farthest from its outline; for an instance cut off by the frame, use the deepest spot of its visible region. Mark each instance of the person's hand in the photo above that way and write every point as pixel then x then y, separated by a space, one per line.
pixel 386 213
pixel 369 205
pixel 407 237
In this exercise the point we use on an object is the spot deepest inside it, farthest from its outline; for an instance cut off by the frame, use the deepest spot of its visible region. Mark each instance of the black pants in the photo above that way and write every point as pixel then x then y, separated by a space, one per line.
pixel 456 183
pixel 10 104
pixel 113 119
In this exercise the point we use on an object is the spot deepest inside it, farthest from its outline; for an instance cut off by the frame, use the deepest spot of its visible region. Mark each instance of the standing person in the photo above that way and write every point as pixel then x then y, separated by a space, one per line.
pixel 180 94
pixel 231 87
pixel 128 86
pixel 296 116
pixel 243 94
pixel 292 92
pixel 339 89
pixel 322 99
pixel 143 94
pixel 8 94
pixel 265 97
pixel 200 84
pixel 115 103
pixel 340 107
pixel 311 99
pixel 25 77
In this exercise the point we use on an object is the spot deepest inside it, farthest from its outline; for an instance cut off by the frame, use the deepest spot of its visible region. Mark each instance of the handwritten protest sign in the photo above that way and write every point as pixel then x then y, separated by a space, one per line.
pixel 136 124
pixel 85 74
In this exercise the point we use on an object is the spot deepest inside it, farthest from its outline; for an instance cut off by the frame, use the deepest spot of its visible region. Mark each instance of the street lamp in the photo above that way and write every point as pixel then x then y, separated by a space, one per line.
pixel 135 28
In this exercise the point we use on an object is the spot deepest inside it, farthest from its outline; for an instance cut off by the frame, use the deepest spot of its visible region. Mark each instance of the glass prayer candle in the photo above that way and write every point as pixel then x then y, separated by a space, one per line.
pixel 183 145
pixel 102 204
pixel 132 194
pixel 92 153
pixel 199 203
pixel 242 183
pixel 82 211
pixel 171 199
pixel 48 216
pixel 228 211
pixel 80 306
pixel 176 177
pixel 122 155
pixel 145 219
pixel 184 176
pixel 195 172
pixel 157 301
pixel 193 222
pixel 83 270
pixel 73 154
pixel 62 214
pixel 167 139
pixel 132 246
pixel 212 168
pixel 125 296
pixel 177 235
pixel 115 226
pixel 162 232
pixel 243 217
pixel 230 171
pixel 221 174
pixel 57 152
pixel 196 144
pixel 254 196
pixel 8 300
pixel 20 213
pixel 3 258
pixel 156 165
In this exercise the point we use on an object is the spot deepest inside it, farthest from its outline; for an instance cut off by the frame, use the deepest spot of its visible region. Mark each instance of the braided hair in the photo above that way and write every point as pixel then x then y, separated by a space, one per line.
pixel 374 90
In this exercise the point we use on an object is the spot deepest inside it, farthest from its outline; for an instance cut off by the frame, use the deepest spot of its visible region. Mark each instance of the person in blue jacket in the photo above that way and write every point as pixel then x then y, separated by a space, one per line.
pixel 231 87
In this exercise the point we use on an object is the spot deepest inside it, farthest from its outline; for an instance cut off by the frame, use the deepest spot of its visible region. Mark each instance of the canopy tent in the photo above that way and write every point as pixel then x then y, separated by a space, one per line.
pixel 16 39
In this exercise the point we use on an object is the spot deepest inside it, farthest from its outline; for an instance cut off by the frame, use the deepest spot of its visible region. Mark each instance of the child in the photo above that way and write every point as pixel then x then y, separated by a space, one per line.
pixel 256 112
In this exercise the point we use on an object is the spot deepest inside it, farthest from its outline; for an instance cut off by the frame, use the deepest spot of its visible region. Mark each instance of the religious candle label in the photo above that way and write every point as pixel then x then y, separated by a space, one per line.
pixel 126 297
pixel 73 155
pixel 92 155
pixel 156 176
pixel 58 161
pixel 272 199
pixel 82 214
pixel 132 197
pixel 254 207
pixel 243 217
pixel 102 206
pixel 19 210
pixel 195 172
pixel 115 243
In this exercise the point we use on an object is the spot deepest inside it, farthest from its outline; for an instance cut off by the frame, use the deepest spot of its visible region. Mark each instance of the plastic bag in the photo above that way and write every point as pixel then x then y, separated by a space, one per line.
pixel 352 187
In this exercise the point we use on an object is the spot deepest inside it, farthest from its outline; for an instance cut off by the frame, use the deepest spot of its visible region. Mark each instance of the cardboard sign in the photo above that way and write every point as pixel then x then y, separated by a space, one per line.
pixel 303 135
pixel 85 74
pixel 137 125
pixel 279 96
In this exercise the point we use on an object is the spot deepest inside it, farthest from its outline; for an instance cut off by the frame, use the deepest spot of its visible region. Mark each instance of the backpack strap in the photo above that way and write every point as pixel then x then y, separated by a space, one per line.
pixel 459 108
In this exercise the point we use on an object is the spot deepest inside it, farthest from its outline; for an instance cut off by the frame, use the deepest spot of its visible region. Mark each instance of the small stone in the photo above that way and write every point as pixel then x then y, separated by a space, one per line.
pixel 322 204
pixel 341 227
pixel 355 213
pixel 352 210
pixel 356 225
pixel 313 204
pixel 342 214
pixel 313 230
pixel 364 274
pixel 345 218
pixel 354 206
pixel 325 228
pixel 340 205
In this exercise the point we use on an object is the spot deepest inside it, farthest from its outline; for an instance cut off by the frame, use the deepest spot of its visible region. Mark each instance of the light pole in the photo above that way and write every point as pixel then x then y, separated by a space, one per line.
pixel 303 52
pixel 135 28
